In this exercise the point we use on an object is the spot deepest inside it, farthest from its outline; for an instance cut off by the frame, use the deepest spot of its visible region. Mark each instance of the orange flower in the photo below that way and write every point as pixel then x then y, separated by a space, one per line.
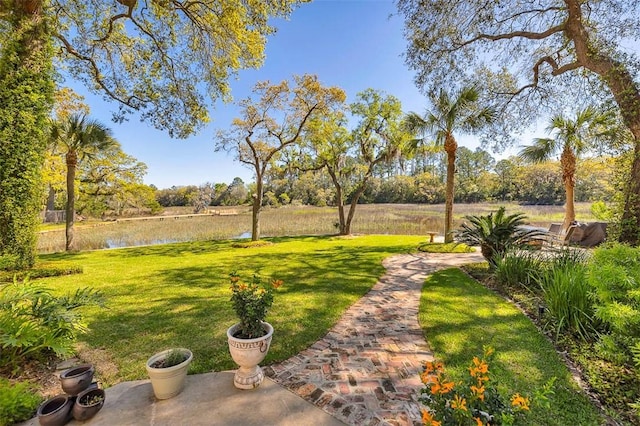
pixel 478 391
pixel 447 387
pixel 459 403
pixel 276 283
pixel 435 388
pixel 478 421
pixel 234 279
pixel 428 378
pixel 429 367
pixel 520 402
pixel 428 420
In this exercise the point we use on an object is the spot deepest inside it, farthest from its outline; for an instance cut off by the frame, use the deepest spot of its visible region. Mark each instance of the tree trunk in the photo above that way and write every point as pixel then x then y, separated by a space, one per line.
pixel 72 162
pixel 257 207
pixel 51 198
pixel 630 221
pixel 626 92
pixel 568 163
pixel 343 228
pixel 450 147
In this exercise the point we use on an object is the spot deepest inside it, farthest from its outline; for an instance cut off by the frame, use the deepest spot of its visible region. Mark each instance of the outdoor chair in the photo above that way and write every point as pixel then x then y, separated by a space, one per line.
pixel 557 237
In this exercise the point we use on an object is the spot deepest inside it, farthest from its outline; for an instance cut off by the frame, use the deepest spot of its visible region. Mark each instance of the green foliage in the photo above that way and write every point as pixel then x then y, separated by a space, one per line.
pixel 601 211
pixel 518 268
pixel 251 302
pixel 614 276
pixel 18 402
pixel 34 321
pixel 566 297
pixel 495 233
pixel 174 357
pixel 26 90
pixel 40 272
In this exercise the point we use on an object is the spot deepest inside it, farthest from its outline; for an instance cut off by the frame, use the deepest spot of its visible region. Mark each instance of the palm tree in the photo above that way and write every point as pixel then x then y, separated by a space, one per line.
pixel 457 113
pixel 80 138
pixel 496 233
pixel 572 139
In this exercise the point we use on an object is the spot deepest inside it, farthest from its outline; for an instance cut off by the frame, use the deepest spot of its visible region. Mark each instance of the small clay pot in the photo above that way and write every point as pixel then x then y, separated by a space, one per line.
pixel 55 411
pixel 88 403
pixel 76 379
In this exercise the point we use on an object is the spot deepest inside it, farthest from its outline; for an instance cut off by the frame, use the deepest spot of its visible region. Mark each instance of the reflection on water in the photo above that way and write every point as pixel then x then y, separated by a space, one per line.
pixel 242 236
pixel 120 243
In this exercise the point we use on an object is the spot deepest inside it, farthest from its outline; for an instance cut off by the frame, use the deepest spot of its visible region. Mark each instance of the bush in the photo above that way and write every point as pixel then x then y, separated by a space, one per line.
pixel 614 275
pixel 33 321
pixel 18 402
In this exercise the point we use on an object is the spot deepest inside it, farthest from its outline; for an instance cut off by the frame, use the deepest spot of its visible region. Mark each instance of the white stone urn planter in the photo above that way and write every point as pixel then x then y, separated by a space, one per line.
pixel 168 382
pixel 248 353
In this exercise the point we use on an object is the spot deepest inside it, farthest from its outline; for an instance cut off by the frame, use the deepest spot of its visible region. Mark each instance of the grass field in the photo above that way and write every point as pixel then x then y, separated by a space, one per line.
pixel 459 316
pixel 399 219
pixel 178 295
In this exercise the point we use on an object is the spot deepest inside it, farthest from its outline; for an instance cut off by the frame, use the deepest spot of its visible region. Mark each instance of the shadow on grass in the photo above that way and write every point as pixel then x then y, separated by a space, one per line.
pixel 178 295
pixel 459 316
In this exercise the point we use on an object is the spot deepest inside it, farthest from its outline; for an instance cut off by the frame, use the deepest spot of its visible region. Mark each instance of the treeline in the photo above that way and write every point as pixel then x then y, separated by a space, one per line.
pixel 479 178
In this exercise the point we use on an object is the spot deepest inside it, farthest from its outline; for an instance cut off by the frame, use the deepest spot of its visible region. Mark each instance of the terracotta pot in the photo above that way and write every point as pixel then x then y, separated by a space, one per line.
pixel 168 382
pixel 55 411
pixel 248 353
pixel 83 410
pixel 76 379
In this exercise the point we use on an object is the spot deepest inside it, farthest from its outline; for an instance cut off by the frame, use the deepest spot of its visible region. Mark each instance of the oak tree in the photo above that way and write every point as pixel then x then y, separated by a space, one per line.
pixel 272 119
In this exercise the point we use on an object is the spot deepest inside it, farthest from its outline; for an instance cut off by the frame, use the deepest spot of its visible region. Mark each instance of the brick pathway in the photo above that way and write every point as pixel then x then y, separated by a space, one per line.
pixel 365 371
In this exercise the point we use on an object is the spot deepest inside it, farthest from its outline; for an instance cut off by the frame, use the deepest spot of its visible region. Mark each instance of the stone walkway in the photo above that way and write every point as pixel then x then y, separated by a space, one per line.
pixel 365 371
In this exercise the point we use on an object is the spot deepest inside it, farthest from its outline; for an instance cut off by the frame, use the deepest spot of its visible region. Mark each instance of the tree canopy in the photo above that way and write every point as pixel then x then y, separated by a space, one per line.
pixel 157 56
pixel 526 51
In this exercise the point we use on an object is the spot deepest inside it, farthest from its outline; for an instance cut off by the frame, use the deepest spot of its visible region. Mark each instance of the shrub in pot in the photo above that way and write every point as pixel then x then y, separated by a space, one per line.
pixel 249 339
pixel 168 371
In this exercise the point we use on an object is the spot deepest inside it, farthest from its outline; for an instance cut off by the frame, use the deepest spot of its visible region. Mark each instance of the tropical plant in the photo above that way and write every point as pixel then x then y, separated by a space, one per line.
pixel 251 302
pixel 475 401
pixel 34 321
pixel 80 138
pixel 451 113
pixel 572 138
pixel 496 232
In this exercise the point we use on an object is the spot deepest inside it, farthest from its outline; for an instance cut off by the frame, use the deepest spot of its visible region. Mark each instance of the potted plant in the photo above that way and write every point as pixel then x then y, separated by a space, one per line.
pixel 168 371
pixel 249 340
pixel 88 403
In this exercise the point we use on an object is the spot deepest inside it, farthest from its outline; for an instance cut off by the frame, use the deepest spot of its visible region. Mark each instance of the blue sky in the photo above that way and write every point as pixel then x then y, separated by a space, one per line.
pixel 353 44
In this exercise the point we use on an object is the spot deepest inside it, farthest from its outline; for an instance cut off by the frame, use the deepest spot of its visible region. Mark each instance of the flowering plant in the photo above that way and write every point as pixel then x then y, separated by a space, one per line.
pixel 251 301
pixel 474 402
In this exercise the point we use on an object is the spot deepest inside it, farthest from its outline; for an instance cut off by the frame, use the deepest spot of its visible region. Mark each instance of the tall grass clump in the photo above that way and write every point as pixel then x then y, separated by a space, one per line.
pixel 518 268
pixel 565 291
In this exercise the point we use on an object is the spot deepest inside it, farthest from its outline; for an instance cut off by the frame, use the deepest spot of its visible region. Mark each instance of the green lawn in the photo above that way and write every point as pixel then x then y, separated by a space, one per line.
pixel 178 294
pixel 459 316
